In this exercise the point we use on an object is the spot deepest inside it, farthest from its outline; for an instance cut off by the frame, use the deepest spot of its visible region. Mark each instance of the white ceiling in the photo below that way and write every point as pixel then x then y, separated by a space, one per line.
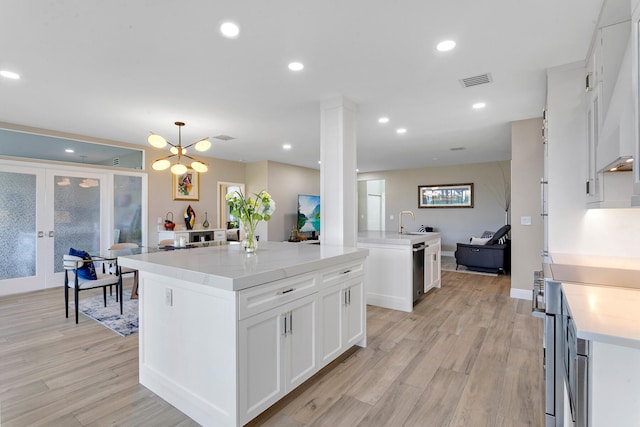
pixel 118 69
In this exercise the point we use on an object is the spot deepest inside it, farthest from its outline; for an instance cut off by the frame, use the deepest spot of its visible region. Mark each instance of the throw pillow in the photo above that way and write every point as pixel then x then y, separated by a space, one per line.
pixel 480 240
pixel 88 270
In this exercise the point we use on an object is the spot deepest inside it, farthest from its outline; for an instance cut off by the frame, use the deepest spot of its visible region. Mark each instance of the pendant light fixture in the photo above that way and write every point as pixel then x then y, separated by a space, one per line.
pixel 178 150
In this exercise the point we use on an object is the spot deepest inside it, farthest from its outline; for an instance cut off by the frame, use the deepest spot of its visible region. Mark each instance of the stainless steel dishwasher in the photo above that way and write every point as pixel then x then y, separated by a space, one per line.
pixel 418 270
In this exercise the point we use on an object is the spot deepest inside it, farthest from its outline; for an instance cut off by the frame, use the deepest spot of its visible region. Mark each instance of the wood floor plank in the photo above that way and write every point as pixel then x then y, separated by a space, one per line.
pixel 393 408
pixel 468 355
pixel 436 406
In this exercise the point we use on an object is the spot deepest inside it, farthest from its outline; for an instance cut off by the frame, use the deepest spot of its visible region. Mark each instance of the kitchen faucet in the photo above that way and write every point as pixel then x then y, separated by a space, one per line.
pixel 400 227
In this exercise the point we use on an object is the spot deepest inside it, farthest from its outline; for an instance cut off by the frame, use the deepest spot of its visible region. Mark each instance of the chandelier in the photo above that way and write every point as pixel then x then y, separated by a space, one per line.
pixel 179 151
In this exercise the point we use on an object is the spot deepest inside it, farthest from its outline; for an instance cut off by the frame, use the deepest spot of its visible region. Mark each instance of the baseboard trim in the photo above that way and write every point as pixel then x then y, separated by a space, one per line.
pixel 520 293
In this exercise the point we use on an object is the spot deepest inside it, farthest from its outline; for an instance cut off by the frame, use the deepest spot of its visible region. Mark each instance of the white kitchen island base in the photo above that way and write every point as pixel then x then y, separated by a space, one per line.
pixel 224 335
pixel 390 267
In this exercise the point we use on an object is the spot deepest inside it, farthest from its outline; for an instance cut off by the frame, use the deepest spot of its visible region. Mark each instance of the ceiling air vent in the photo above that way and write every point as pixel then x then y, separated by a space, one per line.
pixel 480 79
pixel 116 161
pixel 224 137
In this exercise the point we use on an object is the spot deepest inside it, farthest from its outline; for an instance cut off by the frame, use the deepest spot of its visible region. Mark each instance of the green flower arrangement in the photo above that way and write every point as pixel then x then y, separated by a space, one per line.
pixel 250 211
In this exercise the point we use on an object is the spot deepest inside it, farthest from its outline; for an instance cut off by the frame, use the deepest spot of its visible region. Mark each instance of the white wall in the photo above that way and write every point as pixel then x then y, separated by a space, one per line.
pixel 455 224
pixel 161 200
pixel 285 183
pixel 572 227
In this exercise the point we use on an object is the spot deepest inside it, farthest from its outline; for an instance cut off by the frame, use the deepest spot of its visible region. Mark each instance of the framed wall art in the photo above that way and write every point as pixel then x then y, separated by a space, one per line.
pixel 445 196
pixel 186 186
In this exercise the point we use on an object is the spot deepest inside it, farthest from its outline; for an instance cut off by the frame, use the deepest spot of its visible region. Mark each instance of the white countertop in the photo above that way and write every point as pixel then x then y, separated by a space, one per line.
pixel 607 314
pixel 394 238
pixel 596 269
pixel 227 267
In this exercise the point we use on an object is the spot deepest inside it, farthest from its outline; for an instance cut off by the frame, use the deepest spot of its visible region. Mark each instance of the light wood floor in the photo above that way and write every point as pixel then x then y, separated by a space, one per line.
pixel 467 356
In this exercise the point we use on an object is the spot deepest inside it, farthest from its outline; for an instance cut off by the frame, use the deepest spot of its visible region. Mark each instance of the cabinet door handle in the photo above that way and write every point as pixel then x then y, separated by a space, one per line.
pixel 285 325
pixel 345 297
pixel 291 322
pixel 286 292
pixel 346 271
pixel 349 290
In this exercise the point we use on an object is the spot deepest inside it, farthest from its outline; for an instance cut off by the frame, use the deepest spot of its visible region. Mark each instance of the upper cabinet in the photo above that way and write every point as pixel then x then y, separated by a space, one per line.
pixel 635 90
pixel 611 109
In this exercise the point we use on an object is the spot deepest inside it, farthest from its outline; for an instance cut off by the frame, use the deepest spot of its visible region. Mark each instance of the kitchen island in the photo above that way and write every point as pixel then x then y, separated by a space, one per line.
pixel 391 267
pixel 224 334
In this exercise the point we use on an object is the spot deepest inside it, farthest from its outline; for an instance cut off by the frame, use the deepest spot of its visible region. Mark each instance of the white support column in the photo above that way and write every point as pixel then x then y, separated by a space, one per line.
pixel 338 180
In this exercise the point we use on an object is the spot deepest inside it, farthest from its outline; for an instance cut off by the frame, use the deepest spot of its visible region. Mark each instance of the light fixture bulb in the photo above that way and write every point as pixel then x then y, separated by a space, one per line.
pixel 175 150
pixel 199 166
pixel 286 146
pixel 161 164
pixel 383 120
pixel 446 45
pixel 296 66
pixel 230 30
pixel 9 75
pixel 401 130
pixel 156 141
pixel 202 145
pixel 178 169
pixel 478 105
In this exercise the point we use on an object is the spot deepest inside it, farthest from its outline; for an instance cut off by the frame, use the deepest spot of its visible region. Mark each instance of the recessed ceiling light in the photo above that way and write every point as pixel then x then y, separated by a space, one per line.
pixel 446 45
pixel 401 130
pixel 69 150
pixel 296 66
pixel 230 30
pixel 286 146
pixel 319 162
pixel 478 105
pixel 9 74
pixel 383 120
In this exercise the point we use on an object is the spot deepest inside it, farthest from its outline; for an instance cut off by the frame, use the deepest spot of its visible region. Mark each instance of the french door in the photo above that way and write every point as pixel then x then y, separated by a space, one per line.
pixel 45 211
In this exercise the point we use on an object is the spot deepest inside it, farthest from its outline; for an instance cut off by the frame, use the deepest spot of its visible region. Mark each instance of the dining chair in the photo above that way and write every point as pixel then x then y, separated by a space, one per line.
pixel 127 270
pixel 72 264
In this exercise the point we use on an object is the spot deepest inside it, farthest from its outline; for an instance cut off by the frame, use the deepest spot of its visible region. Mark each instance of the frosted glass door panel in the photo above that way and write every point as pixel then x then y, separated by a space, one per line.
pixel 76 206
pixel 17 225
pixel 127 209
pixel 23 239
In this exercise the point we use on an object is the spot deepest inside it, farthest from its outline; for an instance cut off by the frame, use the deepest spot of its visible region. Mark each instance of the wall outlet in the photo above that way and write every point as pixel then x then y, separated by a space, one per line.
pixel 525 220
pixel 168 297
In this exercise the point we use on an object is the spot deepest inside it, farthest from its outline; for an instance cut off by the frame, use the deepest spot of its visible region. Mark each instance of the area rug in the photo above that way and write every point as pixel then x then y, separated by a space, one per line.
pixel 109 316
pixel 448 263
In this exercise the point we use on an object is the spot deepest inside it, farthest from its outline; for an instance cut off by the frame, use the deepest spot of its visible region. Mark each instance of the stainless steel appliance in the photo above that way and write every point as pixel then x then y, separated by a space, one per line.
pixel 547 304
pixel 418 270
pixel 566 357
pixel 575 355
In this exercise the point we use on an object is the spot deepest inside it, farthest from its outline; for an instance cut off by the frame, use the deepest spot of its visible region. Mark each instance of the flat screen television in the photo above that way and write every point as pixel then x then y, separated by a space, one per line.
pixel 309 214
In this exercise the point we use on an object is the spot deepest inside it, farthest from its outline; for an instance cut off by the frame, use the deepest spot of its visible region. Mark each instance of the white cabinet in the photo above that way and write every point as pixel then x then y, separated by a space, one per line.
pixel 215 234
pixel 223 356
pixel 342 318
pixel 635 85
pixel 342 313
pixel 610 117
pixel 432 272
pixel 277 352
pixel 390 267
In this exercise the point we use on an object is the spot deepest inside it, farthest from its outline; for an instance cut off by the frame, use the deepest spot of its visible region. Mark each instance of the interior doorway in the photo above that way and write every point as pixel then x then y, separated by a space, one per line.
pixel 371 205
pixel 225 219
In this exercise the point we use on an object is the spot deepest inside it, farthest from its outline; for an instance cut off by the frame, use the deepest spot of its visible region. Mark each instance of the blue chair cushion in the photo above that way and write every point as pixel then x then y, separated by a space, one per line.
pixel 88 270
